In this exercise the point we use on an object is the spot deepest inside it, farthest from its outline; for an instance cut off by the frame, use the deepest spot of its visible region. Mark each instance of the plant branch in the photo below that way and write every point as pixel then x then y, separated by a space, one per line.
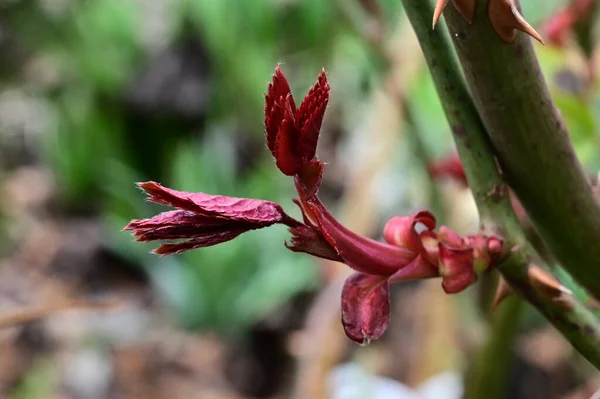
pixel 531 142
pixel 575 321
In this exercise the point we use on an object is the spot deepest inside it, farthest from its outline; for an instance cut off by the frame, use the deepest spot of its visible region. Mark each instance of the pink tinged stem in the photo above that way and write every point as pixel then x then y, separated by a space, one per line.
pixel 360 253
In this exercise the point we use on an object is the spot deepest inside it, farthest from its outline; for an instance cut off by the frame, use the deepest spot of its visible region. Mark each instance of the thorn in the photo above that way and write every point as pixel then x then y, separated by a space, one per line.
pixel 524 26
pixel 592 304
pixel 437 12
pixel 502 292
pixel 466 8
pixel 549 287
pixel 505 18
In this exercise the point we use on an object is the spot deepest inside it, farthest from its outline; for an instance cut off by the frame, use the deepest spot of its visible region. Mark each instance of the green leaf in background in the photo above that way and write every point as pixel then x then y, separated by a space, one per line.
pixel 575 106
pixel 39 381
pixel 106 41
pixel 429 116
pixel 579 118
pixel 79 146
pixel 537 11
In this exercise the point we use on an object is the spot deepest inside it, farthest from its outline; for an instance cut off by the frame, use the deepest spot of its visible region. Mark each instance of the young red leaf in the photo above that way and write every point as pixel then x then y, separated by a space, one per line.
pixel 174 225
pixel 456 268
pixel 278 94
pixel 203 219
pixel 179 247
pixel 449 167
pixel 310 117
pixel 200 230
pixel 449 237
pixel 293 134
pixel 286 158
pixel 400 230
pixel 365 307
pixel 259 212
pixel 307 239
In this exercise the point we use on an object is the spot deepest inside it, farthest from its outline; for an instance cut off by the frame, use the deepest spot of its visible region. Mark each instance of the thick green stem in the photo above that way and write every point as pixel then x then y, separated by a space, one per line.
pixel 575 321
pixel 531 142
pixel 472 143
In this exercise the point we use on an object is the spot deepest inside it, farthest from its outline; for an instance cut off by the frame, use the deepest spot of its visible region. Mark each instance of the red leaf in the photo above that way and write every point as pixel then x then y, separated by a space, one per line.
pixel 285 152
pixel 400 230
pixel 310 117
pixel 292 134
pixel 203 219
pixel 278 93
pixel 170 218
pixel 176 248
pixel 259 212
pixel 451 238
pixel 309 240
pixel 175 225
pixel 449 167
pixel 456 268
pixel 365 307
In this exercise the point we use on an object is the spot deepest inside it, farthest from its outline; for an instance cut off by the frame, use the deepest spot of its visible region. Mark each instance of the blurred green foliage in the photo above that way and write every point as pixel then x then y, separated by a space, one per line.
pixel 38 382
pixel 120 115
pixel 102 138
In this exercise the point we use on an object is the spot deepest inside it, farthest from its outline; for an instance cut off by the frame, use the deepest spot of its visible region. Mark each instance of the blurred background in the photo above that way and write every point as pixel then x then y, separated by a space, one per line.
pixel 98 94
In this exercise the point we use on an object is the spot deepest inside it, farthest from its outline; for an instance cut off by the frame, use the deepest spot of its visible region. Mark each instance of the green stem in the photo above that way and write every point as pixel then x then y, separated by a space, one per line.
pixel 575 321
pixel 489 190
pixel 488 372
pixel 531 142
